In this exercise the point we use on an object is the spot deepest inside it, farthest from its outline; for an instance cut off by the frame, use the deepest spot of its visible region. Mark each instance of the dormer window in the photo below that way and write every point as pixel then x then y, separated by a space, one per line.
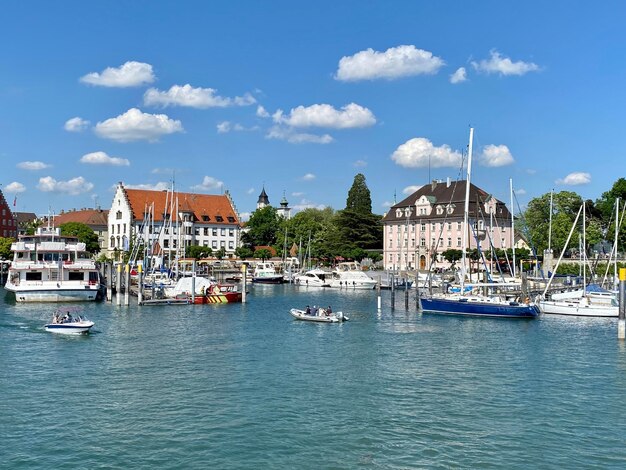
pixel 219 218
pixel 205 218
pixel 439 210
pixel 231 219
pixel 398 213
pixel 450 209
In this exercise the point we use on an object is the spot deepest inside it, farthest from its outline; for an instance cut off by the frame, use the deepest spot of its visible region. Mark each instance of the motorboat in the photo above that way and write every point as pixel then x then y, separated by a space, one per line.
pixel 318 315
pixel 207 291
pixel 265 273
pixel 348 275
pixel 66 323
pixel 50 267
pixel 586 306
pixel 312 278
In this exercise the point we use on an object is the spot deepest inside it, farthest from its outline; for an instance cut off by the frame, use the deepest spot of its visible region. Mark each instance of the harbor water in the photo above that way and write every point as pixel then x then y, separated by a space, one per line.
pixel 245 386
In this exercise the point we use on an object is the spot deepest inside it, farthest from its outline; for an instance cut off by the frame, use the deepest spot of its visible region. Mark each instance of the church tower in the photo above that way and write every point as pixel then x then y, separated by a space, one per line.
pixel 284 210
pixel 263 201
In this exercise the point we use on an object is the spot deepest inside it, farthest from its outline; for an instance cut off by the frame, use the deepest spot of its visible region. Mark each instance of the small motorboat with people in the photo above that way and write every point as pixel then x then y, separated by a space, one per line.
pixel 320 315
pixel 64 322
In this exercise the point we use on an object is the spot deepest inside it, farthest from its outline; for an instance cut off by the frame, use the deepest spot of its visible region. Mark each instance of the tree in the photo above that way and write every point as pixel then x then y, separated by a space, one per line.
pixel 5 247
pixel 244 252
pixel 606 206
pixel 262 253
pixel 197 252
pixel 452 255
pixel 84 233
pixel 262 228
pixel 219 254
pixel 359 198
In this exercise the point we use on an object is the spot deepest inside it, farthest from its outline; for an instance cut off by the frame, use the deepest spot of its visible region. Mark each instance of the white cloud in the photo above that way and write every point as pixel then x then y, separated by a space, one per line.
pixel 395 62
pixel 250 191
pixel 261 112
pixel 189 96
pixel 306 204
pixel 127 75
pixel 223 127
pixel 160 186
pixel 298 194
pixel 520 192
pixel 459 76
pixel 14 187
pixel 496 155
pixel 411 189
pixel 226 126
pixel 280 133
pixel 162 171
pixel 421 153
pixel 503 65
pixel 308 177
pixel 360 164
pixel 101 158
pixel 135 125
pixel 575 179
pixel 33 166
pixel 76 124
pixel 324 115
pixel 73 187
pixel 531 171
pixel 208 184
pixel 387 204
pixel 245 216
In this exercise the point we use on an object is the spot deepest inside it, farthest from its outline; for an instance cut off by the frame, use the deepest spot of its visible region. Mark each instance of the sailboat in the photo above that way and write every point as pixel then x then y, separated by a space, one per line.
pixel 471 304
pixel 583 302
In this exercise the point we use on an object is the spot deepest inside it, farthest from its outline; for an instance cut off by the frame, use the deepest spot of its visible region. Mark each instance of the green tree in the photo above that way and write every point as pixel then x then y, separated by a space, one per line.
pixel 219 254
pixel 197 251
pixel 84 233
pixel 606 206
pixel 452 255
pixel 243 252
pixel 262 228
pixel 263 254
pixel 5 248
pixel 359 198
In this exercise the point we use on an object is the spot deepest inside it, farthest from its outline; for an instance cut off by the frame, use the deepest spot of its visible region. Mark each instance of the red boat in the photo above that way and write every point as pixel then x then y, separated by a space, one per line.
pixel 219 294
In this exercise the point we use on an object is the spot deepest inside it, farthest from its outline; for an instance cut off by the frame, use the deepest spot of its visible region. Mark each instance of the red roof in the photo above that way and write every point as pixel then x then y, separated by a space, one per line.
pixel 208 208
pixel 91 217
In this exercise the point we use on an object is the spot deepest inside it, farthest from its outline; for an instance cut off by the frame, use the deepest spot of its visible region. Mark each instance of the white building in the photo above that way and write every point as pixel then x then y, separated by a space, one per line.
pixel 430 221
pixel 168 222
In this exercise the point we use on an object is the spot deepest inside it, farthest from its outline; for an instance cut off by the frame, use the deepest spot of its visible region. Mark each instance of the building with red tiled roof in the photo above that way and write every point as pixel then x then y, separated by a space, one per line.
pixel 96 219
pixel 173 221
pixel 8 222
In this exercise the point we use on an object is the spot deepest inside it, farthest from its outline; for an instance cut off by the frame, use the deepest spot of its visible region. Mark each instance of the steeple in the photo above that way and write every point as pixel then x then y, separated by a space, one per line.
pixel 284 210
pixel 263 201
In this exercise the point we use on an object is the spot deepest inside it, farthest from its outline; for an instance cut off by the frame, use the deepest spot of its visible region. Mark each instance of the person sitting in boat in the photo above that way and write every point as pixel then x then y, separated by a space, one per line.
pixel 315 310
pixel 329 310
pixel 308 310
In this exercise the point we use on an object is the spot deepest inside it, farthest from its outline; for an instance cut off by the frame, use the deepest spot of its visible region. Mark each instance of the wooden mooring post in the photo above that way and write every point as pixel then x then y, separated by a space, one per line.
pixel 127 284
pixel 392 280
pixel 139 284
pixel 118 285
pixel 378 294
pixel 244 282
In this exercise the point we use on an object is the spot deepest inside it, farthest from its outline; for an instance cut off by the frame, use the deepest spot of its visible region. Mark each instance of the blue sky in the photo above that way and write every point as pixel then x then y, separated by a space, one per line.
pixel 302 96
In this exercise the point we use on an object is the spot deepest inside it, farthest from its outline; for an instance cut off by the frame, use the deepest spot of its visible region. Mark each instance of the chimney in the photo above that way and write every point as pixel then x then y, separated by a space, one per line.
pixel 433 185
pixel 448 182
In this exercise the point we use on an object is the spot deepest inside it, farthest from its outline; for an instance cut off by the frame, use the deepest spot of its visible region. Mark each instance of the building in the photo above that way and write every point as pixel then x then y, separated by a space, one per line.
pixel 430 221
pixel 25 220
pixel 8 222
pixel 263 200
pixel 166 223
pixel 96 219
pixel 284 210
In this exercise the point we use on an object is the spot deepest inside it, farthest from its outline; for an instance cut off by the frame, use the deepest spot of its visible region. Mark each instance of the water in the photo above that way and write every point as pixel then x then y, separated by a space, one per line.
pixel 248 387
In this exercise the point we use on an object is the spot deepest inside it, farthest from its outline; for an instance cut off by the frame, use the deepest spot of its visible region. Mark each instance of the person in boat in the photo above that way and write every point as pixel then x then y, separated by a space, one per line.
pixel 315 311
pixel 308 310
pixel 329 310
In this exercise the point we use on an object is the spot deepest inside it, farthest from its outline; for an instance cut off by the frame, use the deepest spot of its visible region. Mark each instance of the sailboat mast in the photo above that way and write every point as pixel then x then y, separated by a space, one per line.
pixel 550 223
pixel 466 209
pixel 584 250
pixel 615 243
pixel 512 226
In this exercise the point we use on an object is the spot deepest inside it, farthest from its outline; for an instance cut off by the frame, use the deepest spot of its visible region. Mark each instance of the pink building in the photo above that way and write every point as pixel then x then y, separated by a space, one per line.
pixel 430 221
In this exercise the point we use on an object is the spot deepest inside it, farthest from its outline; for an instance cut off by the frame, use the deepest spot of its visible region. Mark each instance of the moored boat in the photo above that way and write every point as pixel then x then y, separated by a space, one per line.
pixel 65 323
pixel 349 275
pixel 265 273
pixel 312 278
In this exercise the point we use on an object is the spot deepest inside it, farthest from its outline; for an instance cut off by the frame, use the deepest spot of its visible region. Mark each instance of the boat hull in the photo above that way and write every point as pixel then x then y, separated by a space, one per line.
pixel 478 309
pixel 74 328
pixel 222 298
pixel 578 309
pixel 84 294
pixel 268 280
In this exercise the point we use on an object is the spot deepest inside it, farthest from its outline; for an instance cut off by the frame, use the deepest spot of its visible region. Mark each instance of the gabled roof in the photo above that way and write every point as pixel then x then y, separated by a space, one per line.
pixel 452 195
pixel 216 207
pixel 91 217
pixel 25 217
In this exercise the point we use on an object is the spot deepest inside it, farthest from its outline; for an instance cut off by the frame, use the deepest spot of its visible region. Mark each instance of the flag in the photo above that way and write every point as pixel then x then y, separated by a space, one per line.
pixel 14 201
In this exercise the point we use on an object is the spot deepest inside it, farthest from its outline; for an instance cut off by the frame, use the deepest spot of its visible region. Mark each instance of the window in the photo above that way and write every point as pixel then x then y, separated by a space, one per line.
pixel 449 241
pixel 423 227
pixel 219 218
pixel 503 242
pixel 205 218
pixel 214 232
pixel 214 244
pixel 231 219
pixel 197 231
pixel 231 245
pixel 231 232
pixel 118 215
pixel 124 228
pixel 458 241
pixel 206 231
pixel 223 232
pixel 423 242
pixel 449 225
pixel 458 225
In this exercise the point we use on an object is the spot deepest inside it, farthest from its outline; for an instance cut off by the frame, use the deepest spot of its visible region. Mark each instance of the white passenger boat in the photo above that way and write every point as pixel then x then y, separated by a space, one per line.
pixel 320 316
pixel 350 276
pixel 65 323
pixel 49 267
pixel 313 278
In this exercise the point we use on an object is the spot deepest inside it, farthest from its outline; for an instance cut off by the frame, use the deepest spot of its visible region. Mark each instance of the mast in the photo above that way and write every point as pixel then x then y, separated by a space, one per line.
pixel 550 224
pixel 615 243
pixel 466 210
pixel 584 250
pixel 512 225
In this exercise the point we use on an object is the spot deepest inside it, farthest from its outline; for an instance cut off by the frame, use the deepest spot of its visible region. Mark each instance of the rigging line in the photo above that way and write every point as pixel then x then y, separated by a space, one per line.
pixel 491 245
pixel 480 252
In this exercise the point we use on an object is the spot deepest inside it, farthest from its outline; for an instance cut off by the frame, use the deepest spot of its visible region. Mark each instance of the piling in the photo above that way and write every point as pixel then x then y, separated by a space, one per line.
pixel 140 285
pixel 378 293
pixel 244 281
pixel 393 291
pixel 193 282
pixel 118 286
pixel 109 280
pixel 406 296
pixel 127 284
pixel 621 322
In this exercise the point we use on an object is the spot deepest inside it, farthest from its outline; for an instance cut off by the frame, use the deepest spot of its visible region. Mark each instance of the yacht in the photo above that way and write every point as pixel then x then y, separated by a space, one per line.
pixel 313 278
pixel 265 273
pixel 50 267
pixel 350 276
